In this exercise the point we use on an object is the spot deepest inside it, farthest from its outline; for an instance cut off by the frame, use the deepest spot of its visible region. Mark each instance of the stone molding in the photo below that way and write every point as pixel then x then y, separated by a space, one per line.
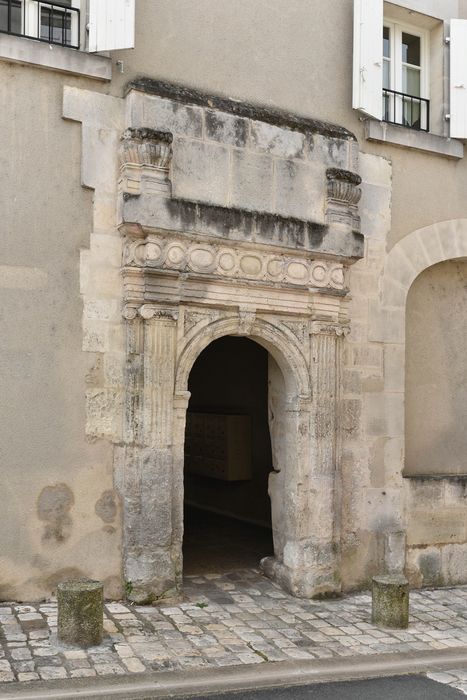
pixel 217 259
pixel 277 338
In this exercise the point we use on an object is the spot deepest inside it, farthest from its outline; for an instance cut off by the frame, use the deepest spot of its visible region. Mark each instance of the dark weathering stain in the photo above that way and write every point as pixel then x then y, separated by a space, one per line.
pixel 53 507
pixel 106 507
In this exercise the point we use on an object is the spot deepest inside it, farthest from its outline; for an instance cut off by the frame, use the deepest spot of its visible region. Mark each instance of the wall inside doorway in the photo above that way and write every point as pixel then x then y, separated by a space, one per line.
pixel 231 376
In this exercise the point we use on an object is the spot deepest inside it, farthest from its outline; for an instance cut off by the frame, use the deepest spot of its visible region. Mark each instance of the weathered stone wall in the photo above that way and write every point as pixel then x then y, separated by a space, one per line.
pixel 437 530
pixel 383 512
pixel 229 160
pixel 260 187
pixel 59 511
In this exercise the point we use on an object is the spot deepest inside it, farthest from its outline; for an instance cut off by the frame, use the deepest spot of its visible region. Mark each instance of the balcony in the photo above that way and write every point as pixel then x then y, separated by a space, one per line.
pixel 406 110
pixel 51 22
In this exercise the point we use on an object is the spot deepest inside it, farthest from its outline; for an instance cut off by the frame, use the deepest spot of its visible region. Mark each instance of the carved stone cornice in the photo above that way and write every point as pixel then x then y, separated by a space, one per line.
pixel 219 259
pixel 146 147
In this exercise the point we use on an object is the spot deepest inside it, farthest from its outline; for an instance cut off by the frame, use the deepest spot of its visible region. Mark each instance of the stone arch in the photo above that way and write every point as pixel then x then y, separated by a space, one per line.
pixel 416 252
pixel 280 342
pixel 291 486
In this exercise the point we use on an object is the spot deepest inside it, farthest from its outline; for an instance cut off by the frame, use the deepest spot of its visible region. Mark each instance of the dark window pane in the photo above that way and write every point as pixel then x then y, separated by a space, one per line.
pixel 386 44
pixel 15 16
pixel 55 25
pixel 3 16
pixel 387 74
pixel 410 49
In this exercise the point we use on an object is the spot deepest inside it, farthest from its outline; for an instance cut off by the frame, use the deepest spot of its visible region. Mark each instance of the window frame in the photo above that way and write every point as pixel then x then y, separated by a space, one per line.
pixel 396 69
pixel 32 24
pixel 30 21
pixel 396 29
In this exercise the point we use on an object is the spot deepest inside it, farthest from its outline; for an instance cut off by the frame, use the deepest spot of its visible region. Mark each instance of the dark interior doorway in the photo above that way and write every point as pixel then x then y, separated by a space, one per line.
pixel 227 459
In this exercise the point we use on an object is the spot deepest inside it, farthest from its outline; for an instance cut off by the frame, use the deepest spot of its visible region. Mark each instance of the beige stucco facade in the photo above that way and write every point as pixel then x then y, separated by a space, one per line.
pixel 141 222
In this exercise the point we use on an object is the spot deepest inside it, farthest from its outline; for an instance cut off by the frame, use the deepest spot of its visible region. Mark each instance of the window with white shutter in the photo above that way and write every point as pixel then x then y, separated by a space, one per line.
pixel 111 25
pixel 368 57
pixel 458 78
pixel 54 22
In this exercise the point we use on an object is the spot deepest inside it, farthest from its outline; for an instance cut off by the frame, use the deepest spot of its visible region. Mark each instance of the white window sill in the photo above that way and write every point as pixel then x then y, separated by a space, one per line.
pixel 409 138
pixel 37 53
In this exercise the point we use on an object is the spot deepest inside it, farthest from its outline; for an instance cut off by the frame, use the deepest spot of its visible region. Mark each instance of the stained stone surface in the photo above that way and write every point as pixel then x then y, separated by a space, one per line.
pixel 80 612
pixel 390 601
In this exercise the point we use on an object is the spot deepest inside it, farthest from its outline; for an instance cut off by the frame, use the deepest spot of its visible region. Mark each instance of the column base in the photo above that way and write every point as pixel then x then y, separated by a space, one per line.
pixel 298 582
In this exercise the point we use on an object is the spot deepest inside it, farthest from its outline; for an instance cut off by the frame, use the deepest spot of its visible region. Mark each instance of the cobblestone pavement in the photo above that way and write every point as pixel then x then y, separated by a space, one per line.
pixel 226 620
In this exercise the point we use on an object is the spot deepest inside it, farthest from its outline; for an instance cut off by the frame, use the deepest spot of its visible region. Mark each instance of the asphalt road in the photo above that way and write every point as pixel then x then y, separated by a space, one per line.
pixel 398 688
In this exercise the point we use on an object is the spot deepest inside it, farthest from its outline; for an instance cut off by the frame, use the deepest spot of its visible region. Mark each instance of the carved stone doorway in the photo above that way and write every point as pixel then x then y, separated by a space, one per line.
pixel 228 459
pixel 164 345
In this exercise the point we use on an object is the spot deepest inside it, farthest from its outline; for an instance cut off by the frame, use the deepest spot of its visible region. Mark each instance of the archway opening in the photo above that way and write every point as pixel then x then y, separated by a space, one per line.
pixel 436 371
pixel 228 459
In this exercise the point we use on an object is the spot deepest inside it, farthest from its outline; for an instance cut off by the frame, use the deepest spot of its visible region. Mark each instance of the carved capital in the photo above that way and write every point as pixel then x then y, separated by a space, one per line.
pixel 148 312
pixel 325 328
pixel 146 147
pixel 129 312
pixel 343 185
pixel 343 196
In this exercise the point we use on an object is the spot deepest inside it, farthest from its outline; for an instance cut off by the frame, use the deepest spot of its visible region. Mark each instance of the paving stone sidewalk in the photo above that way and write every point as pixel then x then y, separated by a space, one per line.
pixel 226 620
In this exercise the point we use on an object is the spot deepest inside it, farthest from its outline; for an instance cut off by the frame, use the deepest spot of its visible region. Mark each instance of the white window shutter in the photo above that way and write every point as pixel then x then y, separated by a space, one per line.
pixel 458 78
pixel 111 25
pixel 368 57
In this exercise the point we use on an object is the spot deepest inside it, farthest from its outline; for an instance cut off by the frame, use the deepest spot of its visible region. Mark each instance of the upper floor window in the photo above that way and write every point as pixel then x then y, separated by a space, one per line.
pixel 111 23
pixel 391 79
pixel 405 76
pixel 54 22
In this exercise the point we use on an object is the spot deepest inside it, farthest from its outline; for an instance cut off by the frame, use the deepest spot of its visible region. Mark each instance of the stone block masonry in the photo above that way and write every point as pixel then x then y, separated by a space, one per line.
pixel 225 155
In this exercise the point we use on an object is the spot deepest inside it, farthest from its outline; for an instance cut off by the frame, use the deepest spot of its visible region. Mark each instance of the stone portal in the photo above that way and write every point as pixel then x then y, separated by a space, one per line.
pixel 235 222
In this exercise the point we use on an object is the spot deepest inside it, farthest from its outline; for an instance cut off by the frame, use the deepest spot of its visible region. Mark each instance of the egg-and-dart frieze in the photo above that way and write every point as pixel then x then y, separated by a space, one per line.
pixel 204 258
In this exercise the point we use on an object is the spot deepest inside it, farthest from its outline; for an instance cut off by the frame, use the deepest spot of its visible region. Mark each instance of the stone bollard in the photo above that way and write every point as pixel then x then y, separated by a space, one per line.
pixel 80 612
pixel 390 601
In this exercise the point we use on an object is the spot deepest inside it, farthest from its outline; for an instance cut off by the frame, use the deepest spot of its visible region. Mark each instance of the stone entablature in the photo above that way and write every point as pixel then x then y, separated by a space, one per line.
pixel 217 258
pixel 254 168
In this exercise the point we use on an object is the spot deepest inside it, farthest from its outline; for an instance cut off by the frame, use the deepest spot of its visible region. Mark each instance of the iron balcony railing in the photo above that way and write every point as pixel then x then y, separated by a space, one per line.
pixel 406 110
pixel 51 22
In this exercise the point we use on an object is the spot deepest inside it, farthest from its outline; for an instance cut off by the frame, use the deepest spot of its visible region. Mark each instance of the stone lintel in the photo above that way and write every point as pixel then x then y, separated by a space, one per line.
pixel 154 213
